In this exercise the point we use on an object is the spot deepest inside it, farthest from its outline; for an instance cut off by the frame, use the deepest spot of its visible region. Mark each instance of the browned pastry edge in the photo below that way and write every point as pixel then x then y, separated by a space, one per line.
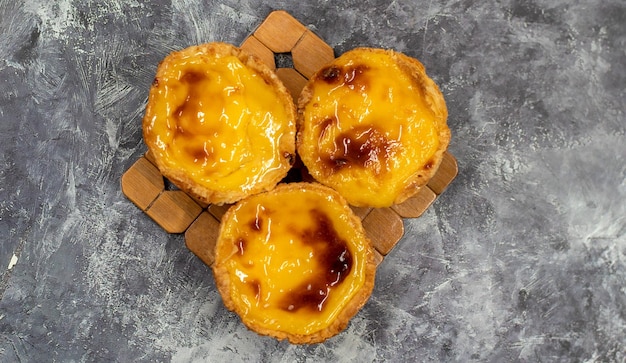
pixel 433 98
pixel 223 249
pixel 287 146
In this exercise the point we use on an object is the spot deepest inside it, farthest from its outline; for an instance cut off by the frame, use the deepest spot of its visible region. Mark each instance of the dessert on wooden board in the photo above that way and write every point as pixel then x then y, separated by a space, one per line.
pixel 294 263
pixel 219 123
pixel 372 125
pixel 295 260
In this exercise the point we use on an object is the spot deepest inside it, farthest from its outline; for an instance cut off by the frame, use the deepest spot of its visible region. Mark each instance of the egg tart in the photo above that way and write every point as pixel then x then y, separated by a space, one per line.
pixel 219 123
pixel 373 126
pixel 294 263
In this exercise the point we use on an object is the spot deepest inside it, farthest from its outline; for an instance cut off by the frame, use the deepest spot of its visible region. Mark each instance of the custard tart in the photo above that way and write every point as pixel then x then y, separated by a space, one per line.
pixel 219 123
pixel 373 126
pixel 294 263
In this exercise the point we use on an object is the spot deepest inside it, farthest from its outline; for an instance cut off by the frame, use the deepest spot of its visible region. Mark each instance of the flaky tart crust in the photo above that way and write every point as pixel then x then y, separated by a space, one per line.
pixel 373 126
pixel 294 263
pixel 219 123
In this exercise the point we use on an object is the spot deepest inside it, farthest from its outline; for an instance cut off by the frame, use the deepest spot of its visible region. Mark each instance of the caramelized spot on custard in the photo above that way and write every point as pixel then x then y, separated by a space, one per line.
pixel 363 146
pixel 256 288
pixel 351 76
pixel 179 111
pixel 198 153
pixel 429 164
pixel 331 74
pixel 260 217
pixel 324 125
pixel 241 246
pixel 256 224
pixel 354 78
pixel 334 258
pixel 192 103
pixel 192 77
pixel 155 82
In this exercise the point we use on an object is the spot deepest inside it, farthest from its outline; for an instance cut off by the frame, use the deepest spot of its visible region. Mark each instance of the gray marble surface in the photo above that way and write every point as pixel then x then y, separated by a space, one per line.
pixel 522 259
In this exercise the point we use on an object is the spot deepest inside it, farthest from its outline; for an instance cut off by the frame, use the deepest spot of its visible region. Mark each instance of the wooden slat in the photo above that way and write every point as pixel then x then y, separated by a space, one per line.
pixel 416 205
pixel 142 183
pixel 148 155
pixel 218 211
pixel 174 211
pixel 447 171
pixel 201 236
pixel 293 80
pixel 254 46
pixel 384 228
pixel 310 54
pixel 280 31
pixel 202 204
pixel 378 258
pixel 361 212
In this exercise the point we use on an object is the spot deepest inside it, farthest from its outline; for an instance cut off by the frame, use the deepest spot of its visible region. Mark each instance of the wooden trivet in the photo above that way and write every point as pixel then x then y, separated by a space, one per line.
pixel 176 212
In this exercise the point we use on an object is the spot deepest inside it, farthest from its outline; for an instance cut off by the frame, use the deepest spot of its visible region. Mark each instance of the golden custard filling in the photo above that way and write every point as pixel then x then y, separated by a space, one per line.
pixel 218 120
pixel 294 260
pixel 367 128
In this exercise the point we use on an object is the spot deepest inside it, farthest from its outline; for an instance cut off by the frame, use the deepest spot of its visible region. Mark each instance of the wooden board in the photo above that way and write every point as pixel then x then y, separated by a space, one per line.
pixel 177 212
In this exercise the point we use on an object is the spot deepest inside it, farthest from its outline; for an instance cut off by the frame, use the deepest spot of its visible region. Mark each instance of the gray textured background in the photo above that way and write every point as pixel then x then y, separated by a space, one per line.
pixel 523 258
